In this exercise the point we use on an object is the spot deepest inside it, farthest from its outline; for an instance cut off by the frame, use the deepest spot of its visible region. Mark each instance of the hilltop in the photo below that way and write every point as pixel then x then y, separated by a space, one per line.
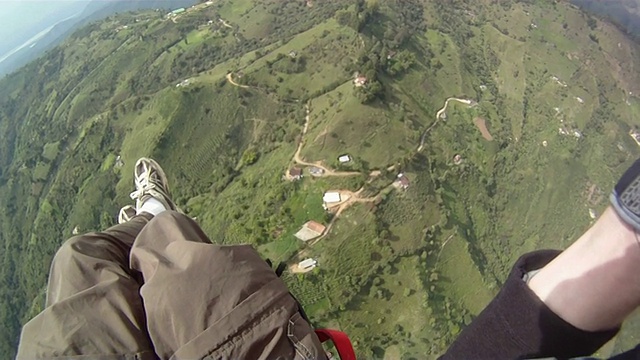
pixel 508 121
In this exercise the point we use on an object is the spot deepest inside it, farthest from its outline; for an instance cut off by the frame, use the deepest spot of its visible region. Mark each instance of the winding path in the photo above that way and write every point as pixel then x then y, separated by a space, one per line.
pixel 230 79
pixel 439 117
pixel 298 159
pixel 352 197
pixel 225 23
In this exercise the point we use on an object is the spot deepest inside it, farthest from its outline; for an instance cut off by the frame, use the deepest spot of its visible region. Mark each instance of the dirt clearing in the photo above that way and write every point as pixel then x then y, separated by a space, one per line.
pixel 482 126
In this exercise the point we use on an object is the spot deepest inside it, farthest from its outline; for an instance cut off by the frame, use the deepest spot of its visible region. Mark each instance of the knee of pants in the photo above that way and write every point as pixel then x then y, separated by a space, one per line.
pixel 84 256
pixel 170 216
pixel 90 248
pixel 71 248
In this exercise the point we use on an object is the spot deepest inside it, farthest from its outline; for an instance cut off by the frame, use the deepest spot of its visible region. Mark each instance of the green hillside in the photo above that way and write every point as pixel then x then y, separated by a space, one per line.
pixel 229 96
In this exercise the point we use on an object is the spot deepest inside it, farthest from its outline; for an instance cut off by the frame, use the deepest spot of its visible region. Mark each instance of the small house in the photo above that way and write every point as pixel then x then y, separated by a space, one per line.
pixel 360 81
pixel 307 264
pixel 177 11
pixel 315 227
pixel 344 158
pixel 295 173
pixel 119 162
pixel 331 197
pixel 310 230
pixel 403 181
pixel 316 171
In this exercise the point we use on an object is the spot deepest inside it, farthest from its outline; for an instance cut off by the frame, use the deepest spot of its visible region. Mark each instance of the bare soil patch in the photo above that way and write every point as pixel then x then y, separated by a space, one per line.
pixel 482 126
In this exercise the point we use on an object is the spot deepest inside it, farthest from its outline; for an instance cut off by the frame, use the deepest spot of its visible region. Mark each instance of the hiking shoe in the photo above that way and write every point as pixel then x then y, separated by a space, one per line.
pixel 151 182
pixel 625 196
pixel 126 213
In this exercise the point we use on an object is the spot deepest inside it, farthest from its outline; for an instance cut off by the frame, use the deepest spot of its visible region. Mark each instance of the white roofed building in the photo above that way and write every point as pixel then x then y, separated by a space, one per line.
pixel 344 158
pixel 331 197
pixel 307 264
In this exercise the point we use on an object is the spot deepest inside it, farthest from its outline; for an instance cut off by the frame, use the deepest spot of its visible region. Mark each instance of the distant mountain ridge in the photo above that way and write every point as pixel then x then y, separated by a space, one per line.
pixel 624 13
pixel 94 10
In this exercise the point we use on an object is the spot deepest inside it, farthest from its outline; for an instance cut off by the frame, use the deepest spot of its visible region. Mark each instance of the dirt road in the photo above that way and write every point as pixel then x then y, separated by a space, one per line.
pixel 224 23
pixel 230 79
pixel 439 117
pixel 355 197
pixel 298 159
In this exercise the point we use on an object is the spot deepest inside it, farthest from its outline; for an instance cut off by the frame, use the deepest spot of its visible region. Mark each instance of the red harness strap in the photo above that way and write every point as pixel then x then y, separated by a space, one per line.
pixel 340 340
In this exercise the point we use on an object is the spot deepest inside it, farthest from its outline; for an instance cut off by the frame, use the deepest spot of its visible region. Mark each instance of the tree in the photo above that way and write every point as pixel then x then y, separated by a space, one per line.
pixel 348 18
pixel 249 157
pixel 106 220
pixel 401 63
pixel 372 91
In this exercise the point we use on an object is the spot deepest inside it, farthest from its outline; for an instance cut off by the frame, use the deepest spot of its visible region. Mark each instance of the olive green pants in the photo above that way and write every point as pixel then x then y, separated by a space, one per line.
pixel 157 288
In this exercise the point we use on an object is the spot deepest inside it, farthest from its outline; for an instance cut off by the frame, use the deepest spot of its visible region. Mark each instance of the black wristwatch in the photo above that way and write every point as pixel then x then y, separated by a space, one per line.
pixel 625 197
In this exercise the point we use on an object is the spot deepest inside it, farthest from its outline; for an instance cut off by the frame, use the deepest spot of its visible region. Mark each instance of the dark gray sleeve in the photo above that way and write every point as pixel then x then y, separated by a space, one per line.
pixel 517 324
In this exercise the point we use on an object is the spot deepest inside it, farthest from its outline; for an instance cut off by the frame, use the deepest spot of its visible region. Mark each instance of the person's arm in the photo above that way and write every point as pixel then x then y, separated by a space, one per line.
pixel 518 325
pixel 566 304
pixel 594 284
pixel 570 307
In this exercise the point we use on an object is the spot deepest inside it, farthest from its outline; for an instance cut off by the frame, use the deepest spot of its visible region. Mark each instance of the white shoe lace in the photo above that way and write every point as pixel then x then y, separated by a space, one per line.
pixel 144 185
pixel 143 190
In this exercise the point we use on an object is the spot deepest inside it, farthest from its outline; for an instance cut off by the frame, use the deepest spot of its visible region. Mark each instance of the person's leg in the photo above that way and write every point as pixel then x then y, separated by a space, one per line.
pixel 93 305
pixel 203 299
pixel 206 300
